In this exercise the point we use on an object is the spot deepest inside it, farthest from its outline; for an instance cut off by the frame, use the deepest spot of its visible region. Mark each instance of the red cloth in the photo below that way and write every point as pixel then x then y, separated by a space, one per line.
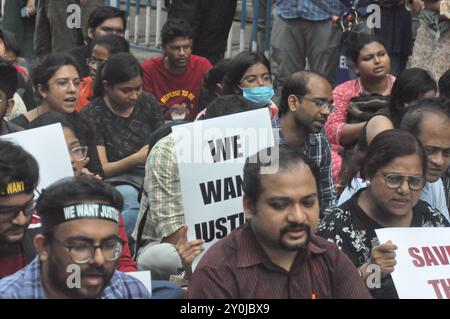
pixel 125 262
pixel 10 264
pixel 21 70
pixel 175 89
pixel 86 90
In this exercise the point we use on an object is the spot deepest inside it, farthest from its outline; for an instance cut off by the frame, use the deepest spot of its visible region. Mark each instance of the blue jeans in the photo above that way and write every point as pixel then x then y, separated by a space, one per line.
pixel 130 207
pixel 162 289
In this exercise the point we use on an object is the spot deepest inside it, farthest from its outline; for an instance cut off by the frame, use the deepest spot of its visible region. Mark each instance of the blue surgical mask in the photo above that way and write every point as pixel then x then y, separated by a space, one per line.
pixel 261 95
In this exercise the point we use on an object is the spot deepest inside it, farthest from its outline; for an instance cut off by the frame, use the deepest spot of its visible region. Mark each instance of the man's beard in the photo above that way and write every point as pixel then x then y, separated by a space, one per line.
pixel 60 281
pixel 4 241
pixel 292 228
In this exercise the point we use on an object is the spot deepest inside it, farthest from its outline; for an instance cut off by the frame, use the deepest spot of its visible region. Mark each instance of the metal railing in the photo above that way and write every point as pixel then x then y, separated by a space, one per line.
pixel 145 20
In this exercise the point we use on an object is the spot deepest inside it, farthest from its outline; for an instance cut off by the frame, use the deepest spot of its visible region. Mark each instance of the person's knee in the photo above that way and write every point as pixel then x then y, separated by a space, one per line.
pixel 162 260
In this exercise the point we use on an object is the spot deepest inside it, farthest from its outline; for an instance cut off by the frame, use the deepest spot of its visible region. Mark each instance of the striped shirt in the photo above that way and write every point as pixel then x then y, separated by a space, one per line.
pixel 27 284
pixel 237 267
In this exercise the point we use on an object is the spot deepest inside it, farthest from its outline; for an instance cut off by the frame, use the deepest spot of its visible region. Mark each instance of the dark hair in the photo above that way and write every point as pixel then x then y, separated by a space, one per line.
pixel 385 147
pixel 409 86
pixel 81 126
pixel 8 78
pixel 297 84
pixel 210 80
pixel 358 42
pixel 103 13
pixel 418 110
pixel 113 43
pixel 16 164
pixel 119 68
pixel 10 42
pixel 228 104
pixel 237 67
pixel 444 85
pixel 52 117
pixel 68 189
pixel 283 156
pixel 175 28
pixel 49 65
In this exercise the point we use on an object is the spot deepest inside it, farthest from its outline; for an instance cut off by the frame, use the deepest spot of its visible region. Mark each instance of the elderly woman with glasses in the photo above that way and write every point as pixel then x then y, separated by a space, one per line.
pixel 248 74
pixel 395 167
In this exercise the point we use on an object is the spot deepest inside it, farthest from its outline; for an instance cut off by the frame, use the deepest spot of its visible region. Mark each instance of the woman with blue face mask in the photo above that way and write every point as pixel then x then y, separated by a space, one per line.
pixel 248 74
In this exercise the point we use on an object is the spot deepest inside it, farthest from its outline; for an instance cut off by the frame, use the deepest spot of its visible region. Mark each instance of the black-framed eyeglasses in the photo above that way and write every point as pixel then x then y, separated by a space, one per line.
pixel 323 104
pixel 11 213
pixel 395 181
pixel 83 252
pixel 433 150
pixel 79 153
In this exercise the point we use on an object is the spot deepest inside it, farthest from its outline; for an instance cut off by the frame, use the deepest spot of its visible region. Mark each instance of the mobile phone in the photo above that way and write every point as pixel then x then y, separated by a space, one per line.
pixel 23 12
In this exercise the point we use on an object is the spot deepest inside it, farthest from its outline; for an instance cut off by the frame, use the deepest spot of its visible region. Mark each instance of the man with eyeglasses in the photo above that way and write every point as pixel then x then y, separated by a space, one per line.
pixel 175 78
pixel 79 246
pixel 306 101
pixel 19 175
pixel 429 120
pixel 103 21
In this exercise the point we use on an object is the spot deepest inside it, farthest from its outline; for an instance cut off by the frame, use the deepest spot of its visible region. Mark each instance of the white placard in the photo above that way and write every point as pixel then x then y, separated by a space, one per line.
pixel 145 277
pixel 48 146
pixel 211 182
pixel 423 261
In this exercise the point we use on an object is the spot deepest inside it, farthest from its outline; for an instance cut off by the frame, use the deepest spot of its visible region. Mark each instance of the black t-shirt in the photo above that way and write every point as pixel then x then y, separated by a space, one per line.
pixel 122 136
pixel 353 231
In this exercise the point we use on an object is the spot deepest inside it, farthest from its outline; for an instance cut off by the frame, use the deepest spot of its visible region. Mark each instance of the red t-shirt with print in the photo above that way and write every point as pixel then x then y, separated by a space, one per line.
pixel 177 91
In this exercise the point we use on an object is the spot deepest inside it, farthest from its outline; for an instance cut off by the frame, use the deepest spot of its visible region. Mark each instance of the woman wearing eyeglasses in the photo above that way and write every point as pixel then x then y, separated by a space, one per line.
pixel 394 166
pixel 57 82
pixel 102 49
pixel 248 74
pixel 372 64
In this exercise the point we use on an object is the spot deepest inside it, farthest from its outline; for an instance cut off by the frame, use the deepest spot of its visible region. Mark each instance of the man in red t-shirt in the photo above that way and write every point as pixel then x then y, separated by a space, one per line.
pixel 175 78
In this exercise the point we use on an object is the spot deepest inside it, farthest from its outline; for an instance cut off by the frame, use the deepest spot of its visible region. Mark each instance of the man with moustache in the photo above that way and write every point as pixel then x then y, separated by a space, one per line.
pixel 306 101
pixel 19 175
pixel 275 254
pixel 176 77
pixel 79 246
